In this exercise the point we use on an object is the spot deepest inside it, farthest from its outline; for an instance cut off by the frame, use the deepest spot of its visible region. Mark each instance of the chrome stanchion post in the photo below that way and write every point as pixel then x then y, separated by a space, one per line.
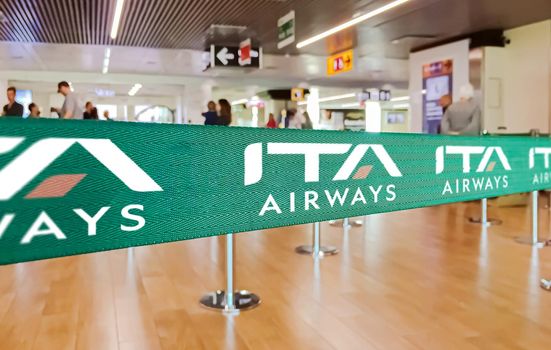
pixel 316 243
pixel 316 249
pixel 546 284
pixel 230 245
pixel 484 211
pixel 534 217
pixel 230 300
pixel 484 220
pixel 533 240
pixel 346 223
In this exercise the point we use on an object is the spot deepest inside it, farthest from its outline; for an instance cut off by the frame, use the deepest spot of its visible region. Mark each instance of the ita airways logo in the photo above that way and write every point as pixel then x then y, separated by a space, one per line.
pixel 29 164
pixel 478 178
pixel 312 153
pixel 335 196
pixel 535 156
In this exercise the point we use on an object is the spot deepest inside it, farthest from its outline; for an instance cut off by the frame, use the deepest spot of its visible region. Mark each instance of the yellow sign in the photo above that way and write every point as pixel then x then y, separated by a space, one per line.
pixel 341 62
pixel 297 94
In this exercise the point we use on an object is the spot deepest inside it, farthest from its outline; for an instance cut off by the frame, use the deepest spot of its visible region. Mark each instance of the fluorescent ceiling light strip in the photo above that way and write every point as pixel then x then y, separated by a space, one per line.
pixel 401 106
pixel 401 98
pixel 239 102
pixel 351 23
pixel 336 97
pixel 355 104
pixel 116 18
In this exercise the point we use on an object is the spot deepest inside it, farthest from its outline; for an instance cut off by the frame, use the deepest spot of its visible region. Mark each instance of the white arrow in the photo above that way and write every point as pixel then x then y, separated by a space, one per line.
pixel 223 56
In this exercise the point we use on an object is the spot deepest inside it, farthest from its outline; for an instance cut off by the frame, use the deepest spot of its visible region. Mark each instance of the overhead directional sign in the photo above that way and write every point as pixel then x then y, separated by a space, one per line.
pixel 341 62
pixel 286 30
pixel 231 56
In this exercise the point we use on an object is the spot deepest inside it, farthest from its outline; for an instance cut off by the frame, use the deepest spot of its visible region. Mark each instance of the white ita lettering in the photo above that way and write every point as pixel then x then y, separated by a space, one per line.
pixel 313 200
pixel 312 153
pixel 477 184
pixel 466 152
pixel 44 225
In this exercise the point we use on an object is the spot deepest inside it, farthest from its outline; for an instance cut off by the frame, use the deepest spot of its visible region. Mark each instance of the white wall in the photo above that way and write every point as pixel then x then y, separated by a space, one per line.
pixel 492 86
pixel 194 103
pixel 458 52
pixel 527 75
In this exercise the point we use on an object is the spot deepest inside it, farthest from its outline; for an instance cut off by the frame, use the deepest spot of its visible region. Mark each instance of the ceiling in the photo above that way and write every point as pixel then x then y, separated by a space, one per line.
pixel 184 24
pixel 163 41
pixel 170 66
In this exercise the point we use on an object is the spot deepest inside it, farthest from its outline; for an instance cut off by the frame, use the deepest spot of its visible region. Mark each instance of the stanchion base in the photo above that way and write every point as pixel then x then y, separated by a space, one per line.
pixel 309 250
pixel 340 223
pixel 244 300
pixel 490 221
pixel 528 241
pixel 546 284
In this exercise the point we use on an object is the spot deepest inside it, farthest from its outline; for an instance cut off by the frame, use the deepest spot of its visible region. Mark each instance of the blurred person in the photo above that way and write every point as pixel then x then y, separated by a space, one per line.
pixel 283 122
pixel 89 111
pixel 224 112
pixel 463 117
pixel 71 108
pixel 307 122
pixel 106 115
pixel 294 121
pixel 34 112
pixel 211 117
pixel 445 101
pixel 13 108
pixel 94 114
pixel 272 123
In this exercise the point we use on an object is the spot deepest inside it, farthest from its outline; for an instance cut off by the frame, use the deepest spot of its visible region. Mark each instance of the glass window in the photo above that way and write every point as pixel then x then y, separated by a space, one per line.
pixel 111 109
pixel 153 114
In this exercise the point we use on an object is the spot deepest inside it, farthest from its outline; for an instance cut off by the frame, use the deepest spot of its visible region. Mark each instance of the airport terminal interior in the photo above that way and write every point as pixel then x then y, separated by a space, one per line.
pixel 275 174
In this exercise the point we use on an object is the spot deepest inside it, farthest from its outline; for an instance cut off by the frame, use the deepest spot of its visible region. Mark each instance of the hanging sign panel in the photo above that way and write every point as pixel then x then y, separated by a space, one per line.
pixel 340 63
pixel 286 30
pixel 72 187
pixel 233 56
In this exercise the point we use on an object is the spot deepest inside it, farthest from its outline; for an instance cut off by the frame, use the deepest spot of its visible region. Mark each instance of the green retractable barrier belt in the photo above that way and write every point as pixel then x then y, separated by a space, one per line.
pixel 72 187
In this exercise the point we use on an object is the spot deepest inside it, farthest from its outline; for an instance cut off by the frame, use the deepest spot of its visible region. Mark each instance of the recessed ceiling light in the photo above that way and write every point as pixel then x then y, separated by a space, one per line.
pixel 134 89
pixel 106 57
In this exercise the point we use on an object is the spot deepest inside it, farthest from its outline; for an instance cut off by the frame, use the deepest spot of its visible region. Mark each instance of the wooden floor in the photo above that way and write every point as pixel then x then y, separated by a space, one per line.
pixel 420 279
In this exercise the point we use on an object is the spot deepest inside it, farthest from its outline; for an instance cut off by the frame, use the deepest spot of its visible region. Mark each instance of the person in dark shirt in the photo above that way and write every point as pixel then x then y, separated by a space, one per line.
pixel 211 117
pixel 89 111
pixel 34 112
pixel 12 109
pixel 224 112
